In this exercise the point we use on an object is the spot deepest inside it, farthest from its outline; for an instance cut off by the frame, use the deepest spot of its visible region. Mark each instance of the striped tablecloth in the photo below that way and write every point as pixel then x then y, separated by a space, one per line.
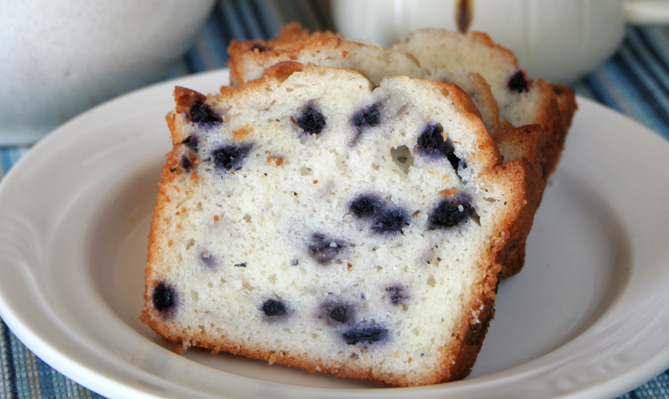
pixel 634 82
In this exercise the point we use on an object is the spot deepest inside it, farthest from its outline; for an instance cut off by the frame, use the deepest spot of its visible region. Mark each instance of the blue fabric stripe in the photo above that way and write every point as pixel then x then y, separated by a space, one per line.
pixel 4 164
pixel 212 46
pixel 221 15
pixel 621 83
pixel 623 94
pixel 6 160
pixel 652 114
pixel 46 378
pixel 652 66
pixel 19 367
pixel 9 157
pixel 595 83
pixel 232 21
pixel 11 388
pixel 596 90
pixel 199 59
pixel 191 61
pixel 652 42
pixel 249 20
pixel 267 14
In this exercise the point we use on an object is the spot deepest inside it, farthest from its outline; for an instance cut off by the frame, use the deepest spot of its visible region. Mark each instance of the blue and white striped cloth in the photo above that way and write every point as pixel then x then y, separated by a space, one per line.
pixel 634 82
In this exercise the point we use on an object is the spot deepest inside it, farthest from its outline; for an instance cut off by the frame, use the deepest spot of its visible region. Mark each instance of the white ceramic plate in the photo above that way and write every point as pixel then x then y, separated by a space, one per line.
pixel 588 315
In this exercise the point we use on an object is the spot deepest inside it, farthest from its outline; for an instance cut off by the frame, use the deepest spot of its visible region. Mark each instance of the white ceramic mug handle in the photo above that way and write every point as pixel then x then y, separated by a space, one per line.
pixel 647 12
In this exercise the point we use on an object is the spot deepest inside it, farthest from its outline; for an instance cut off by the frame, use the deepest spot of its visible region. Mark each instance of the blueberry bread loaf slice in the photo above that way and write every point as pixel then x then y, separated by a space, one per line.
pixel 522 101
pixel 249 59
pixel 523 116
pixel 537 113
pixel 313 219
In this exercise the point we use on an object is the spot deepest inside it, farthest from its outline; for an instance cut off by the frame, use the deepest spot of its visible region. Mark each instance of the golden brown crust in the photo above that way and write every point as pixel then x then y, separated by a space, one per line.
pixel 567 105
pixel 512 255
pixel 285 46
pixel 465 105
pixel 279 72
pixel 566 99
pixel 554 133
pixel 486 41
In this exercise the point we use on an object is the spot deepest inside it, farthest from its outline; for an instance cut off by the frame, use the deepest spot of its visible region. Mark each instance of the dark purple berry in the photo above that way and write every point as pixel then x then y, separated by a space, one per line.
pixel 274 308
pixel 518 82
pixel 186 163
pixel 164 297
pixel 391 220
pixel 311 120
pixel 231 156
pixel 384 218
pixel 338 312
pixel 431 143
pixel 366 205
pixel 324 249
pixel 449 213
pixel 208 259
pixel 365 117
pixel 201 113
pixel 365 335
pixel 191 142
pixel 396 294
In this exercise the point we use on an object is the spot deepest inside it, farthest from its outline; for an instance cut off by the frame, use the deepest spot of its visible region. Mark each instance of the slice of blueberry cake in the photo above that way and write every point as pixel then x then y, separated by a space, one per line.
pixel 522 115
pixel 313 219
pixel 538 114
pixel 522 101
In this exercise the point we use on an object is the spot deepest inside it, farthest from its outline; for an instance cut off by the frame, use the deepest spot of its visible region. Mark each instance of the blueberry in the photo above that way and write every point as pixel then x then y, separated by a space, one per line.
pixel 383 217
pixel 518 82
pixel 365 335
pixel 365 117
pixel 274 308
pixel 431 143
pixel 231 156
pixel 396 294
pixel 311 120
pixel 201 113
pixel 449 213
pixel 366 205
pixel 186 163
pixel 191 142
pixel 324 249
pixel 338 312
pixel 391 220
pixel 164 297
pixel 208 259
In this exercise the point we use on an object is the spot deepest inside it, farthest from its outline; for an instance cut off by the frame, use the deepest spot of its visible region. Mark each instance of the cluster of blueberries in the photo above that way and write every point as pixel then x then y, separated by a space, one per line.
pixel 165 299
pixel 338 315
pixel 383 217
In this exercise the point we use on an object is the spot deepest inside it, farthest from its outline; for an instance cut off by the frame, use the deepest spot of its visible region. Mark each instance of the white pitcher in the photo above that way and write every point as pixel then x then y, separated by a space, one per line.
pixel 557 40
